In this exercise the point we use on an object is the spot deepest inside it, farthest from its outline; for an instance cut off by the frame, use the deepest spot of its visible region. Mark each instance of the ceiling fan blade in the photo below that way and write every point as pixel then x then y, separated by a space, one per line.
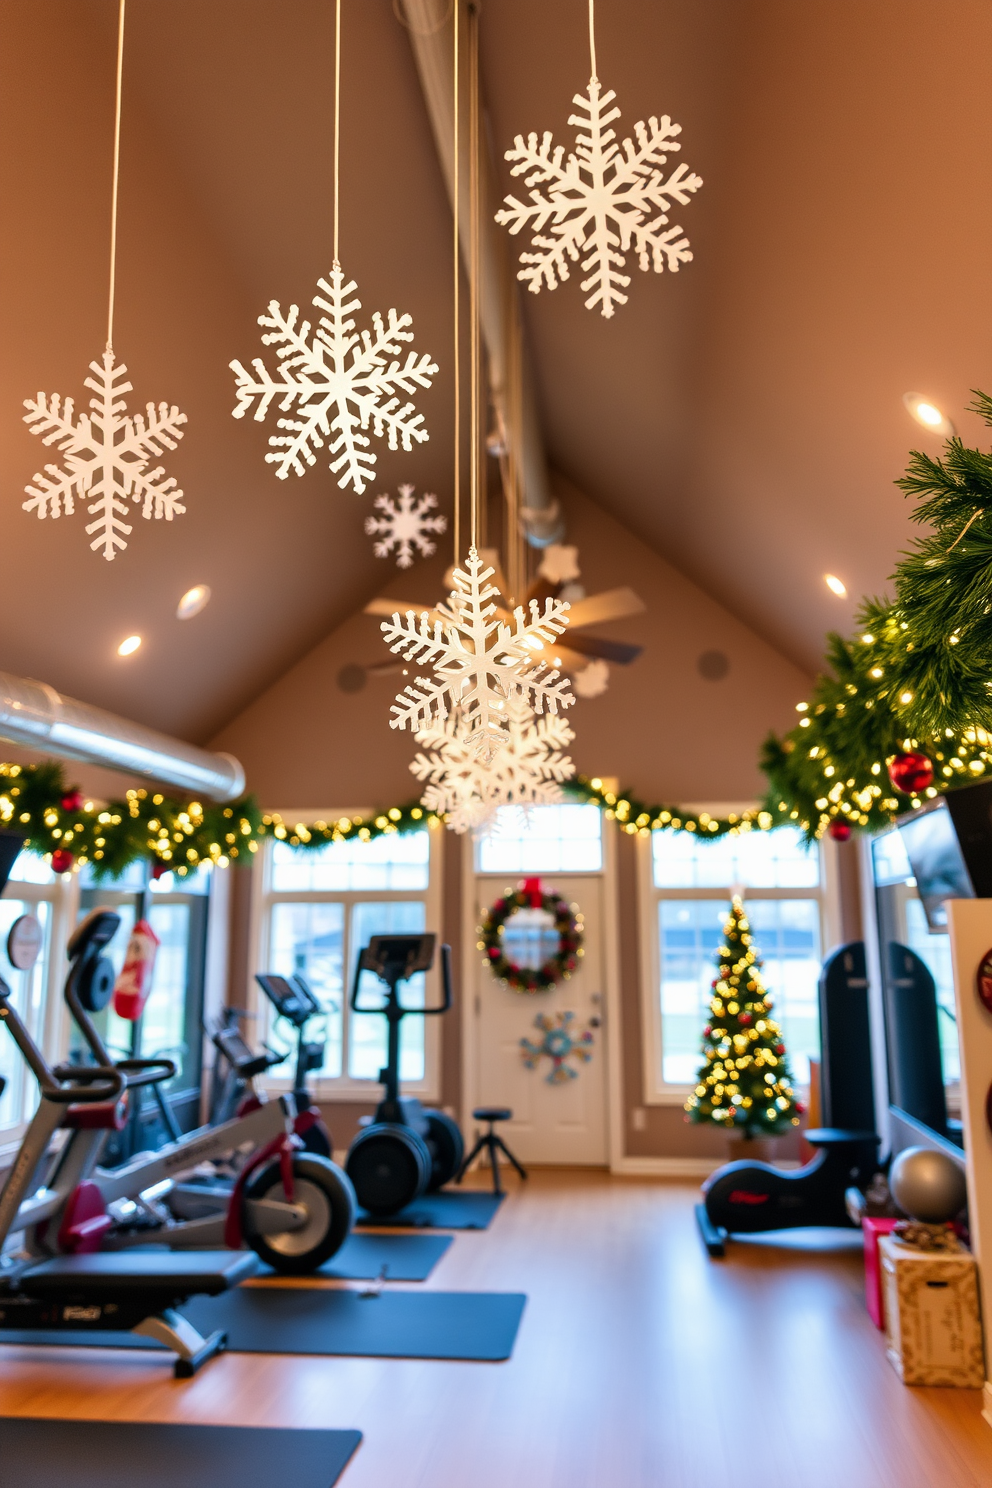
pixel 387 668
pixel 386 608
pixel 620 652
pixel 612 604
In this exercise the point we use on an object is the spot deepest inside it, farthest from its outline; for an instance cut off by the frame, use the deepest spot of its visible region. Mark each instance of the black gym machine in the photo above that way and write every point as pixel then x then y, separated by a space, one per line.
pixel 747 1197
pixel 406 1150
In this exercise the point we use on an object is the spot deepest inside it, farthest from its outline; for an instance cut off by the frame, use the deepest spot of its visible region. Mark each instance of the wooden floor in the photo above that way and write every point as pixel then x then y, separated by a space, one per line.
pixel 639 1364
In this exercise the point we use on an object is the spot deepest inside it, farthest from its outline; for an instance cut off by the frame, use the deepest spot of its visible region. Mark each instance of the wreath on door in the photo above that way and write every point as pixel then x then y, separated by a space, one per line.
pixel 568 926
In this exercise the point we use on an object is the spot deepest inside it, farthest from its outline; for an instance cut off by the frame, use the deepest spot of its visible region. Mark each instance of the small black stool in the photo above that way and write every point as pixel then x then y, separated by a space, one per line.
pixel 493 1142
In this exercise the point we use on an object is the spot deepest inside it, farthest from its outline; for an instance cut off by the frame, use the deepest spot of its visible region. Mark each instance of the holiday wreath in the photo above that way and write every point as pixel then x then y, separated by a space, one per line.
pixel 567 923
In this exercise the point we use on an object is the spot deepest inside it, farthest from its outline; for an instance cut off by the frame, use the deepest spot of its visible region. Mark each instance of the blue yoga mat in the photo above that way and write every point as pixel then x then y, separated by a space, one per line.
pixel 124 1454
pixel 389 1257
pixel 480 1326
pixel 447 1210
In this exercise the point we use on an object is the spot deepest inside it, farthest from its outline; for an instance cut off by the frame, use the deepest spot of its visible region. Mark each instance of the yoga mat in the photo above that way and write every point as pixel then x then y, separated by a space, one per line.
pixel 123 1454
pixel 480 1326
pixel 392 1257
pixel 442 1211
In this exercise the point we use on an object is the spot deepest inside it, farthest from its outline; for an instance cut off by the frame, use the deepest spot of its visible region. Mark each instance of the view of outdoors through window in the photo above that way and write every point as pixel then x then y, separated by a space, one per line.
pixel 322 908
pixel 693 880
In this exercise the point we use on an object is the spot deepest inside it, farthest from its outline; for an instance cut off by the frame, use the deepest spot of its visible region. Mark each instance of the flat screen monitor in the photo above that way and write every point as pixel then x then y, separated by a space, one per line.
pixel 937 861
pixel 949 845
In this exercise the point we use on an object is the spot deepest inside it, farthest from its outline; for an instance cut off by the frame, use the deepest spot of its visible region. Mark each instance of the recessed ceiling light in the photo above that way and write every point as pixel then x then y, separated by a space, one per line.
pixel 193 601
pixel 926 412
pixel 128 646
pixel 835 584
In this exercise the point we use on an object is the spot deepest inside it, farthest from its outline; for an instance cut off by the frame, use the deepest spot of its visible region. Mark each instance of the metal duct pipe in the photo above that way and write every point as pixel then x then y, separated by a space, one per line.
pixel 34 714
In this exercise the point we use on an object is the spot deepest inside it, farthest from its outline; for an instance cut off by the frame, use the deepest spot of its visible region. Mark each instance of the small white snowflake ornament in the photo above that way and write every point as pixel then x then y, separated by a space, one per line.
pixel 339 381
pixel 105 457
pixel 593 679
pixel 478 661
pixel 527 771
pixel 404 525
pixel 600 202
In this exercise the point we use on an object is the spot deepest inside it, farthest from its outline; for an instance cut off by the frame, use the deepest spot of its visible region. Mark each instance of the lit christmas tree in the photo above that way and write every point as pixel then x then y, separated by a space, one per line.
pixel 745 1082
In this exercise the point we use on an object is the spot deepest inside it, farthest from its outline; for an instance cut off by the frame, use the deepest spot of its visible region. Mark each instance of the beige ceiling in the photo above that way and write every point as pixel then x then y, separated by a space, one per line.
pixel 744 418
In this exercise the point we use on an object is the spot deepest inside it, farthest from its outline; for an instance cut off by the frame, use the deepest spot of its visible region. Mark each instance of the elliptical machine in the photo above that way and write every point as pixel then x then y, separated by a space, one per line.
pixel 293 1000
pixel 405 1151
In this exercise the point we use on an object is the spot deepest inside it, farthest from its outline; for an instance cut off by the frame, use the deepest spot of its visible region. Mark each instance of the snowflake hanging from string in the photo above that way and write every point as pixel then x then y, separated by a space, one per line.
pixel 560 1042
pixel 405 525
pixel 602 201
pixel 105 456
pixel 526 771
pixel 479 662
pixel 340 381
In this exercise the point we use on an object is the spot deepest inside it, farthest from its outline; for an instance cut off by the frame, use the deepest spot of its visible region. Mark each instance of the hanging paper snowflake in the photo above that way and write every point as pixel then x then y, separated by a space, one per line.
pixel 479 663
pixel 527 771
pixel 560 1043
pixel 405 525
pixel 340 381
pixel 106 455
pixel 601 202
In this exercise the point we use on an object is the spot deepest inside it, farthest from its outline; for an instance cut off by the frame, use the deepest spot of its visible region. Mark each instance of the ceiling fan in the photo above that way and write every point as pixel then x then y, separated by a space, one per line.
pixel 556 578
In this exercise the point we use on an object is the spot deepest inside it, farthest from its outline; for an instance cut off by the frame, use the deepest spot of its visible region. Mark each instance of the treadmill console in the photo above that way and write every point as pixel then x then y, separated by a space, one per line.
pixel 290 996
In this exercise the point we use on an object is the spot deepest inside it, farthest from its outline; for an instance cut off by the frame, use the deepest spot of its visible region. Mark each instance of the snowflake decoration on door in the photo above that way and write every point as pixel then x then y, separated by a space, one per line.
pixel 405 525
pixel 340 381
pixel 526 771
pixel 105 456
pixel 479 662
pixel 602 201
pixel 561 1042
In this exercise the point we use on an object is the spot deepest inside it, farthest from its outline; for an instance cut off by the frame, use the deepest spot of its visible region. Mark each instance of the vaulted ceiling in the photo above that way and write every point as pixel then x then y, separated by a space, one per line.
pixel 743 417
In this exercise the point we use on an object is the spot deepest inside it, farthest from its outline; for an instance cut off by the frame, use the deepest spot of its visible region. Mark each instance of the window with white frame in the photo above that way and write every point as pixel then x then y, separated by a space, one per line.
pixel 688 883
pixel 542 839
pixel 318 909
pixel 31 889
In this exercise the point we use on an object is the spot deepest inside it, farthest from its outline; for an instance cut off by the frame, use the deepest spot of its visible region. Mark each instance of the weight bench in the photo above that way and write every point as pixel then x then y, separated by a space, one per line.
pixel 138 1294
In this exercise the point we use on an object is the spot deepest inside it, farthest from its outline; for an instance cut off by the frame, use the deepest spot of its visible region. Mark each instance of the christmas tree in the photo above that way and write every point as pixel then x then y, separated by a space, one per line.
pixel 745 1082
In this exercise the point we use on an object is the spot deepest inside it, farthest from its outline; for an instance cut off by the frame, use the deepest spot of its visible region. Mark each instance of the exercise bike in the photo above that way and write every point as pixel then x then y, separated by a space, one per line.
pixel 83 1293
pixel 293 1000
pixel 406 1150
pixel 293 1208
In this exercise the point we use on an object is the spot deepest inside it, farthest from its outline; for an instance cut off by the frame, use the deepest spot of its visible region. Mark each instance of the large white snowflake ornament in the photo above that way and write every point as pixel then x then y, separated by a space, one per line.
pixel 105 458
pixel 405 525
pixel 339 382
pixel 527 770
pixel 478 661
pixel 599 202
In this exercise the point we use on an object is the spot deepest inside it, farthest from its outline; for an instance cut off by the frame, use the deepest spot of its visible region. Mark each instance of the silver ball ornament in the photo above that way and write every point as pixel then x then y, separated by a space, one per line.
pixel 927 1185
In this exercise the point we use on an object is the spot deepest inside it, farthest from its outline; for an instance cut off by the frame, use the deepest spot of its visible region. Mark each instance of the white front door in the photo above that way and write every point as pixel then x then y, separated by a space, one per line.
pixel 554 1121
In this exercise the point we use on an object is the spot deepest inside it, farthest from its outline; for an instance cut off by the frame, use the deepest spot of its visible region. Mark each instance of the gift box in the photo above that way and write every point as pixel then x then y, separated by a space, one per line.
pixel 873 1228
pixel 932 1322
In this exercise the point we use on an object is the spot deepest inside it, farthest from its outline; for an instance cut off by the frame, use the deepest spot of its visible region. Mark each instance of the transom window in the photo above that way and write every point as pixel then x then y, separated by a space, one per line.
pixel 688 889
pixel 542 839
pixel 319 909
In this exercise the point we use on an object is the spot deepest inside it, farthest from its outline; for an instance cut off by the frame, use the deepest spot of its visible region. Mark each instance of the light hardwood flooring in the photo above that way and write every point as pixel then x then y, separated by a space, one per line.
pixel 639 1364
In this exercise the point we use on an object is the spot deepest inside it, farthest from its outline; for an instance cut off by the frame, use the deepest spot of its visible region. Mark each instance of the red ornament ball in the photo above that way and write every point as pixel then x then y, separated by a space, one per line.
pixel 72 800
pixel 911 773
pixel 160 869
pixel 839 830
pixel 62 860
pixel 744 1019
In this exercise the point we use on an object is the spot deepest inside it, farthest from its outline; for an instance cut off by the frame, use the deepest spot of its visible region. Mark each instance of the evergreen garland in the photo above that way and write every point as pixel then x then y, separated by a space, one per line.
pixel 745 1081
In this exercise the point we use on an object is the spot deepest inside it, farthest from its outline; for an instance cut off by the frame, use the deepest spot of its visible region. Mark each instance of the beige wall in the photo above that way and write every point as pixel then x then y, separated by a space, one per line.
pixel 661 728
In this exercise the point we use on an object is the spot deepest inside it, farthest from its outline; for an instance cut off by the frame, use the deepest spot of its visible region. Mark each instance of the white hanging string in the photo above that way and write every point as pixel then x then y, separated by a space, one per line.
pixel 592 39
pixel 457 180
pixel 473 284
pixel 337 119
pixel 113 194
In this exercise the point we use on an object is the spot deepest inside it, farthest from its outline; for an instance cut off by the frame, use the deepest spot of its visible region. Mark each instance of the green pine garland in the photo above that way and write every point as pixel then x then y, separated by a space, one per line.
pixel 915 676
pixel 745 1082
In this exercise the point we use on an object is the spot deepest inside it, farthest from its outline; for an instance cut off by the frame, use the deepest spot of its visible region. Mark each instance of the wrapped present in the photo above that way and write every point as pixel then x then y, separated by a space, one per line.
pixel 932 1322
